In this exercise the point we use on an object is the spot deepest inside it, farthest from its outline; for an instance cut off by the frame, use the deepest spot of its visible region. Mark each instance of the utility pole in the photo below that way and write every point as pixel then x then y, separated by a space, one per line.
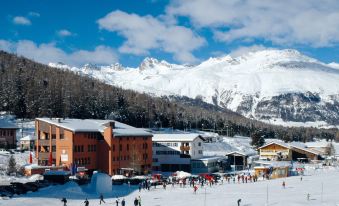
pixel 205 196
pixel 322 191
pixel 267 195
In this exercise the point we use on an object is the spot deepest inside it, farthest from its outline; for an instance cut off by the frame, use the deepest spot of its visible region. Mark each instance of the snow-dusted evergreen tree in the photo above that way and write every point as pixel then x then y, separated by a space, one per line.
pixel 11 167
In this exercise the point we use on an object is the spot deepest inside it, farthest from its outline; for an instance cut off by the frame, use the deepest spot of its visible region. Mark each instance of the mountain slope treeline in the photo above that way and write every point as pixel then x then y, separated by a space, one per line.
pixel 29 89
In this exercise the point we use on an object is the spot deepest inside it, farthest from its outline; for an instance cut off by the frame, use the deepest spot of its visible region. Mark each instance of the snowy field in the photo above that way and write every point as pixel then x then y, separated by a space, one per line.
pixel 259 193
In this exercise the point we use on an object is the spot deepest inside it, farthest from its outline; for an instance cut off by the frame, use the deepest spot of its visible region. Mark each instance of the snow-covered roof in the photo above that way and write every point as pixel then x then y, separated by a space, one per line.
pixel 175 137
pixel 7 125
pixel 28 138
pixel 291 145
pixel 274 163
pixel 317 144
pixel 209 158
pixel 242 153
pixel 275 142
pixel 96 125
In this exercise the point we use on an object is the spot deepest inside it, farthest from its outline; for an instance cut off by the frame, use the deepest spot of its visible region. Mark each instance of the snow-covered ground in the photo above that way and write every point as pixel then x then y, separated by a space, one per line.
pixel 322 186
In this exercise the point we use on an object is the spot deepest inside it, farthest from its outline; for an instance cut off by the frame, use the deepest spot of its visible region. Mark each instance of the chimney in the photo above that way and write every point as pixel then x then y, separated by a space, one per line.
pixel 110 124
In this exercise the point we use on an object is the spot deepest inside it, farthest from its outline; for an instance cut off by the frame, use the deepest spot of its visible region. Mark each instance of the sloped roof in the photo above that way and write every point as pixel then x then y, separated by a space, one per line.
pixel 276 142
pixel 318 144
pixel 291 145
pixel 170 137
pixel 7 125
pixel 28 138
pixel 96 125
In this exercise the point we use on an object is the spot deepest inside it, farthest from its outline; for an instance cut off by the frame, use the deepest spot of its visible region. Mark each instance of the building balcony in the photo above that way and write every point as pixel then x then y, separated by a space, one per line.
pixel 185 148
pixel 45 155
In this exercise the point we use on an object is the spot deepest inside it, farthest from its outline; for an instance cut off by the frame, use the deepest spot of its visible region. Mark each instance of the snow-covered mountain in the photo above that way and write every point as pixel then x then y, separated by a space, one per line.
pixel 277 86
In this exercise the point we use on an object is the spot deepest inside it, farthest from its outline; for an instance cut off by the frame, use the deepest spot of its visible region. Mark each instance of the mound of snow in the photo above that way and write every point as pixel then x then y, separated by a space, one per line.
pixel 182 174
pixel 118 177
pixel 101 183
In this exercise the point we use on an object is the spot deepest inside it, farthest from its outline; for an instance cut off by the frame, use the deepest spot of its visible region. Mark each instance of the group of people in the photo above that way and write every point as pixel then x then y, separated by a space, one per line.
pixel 137 201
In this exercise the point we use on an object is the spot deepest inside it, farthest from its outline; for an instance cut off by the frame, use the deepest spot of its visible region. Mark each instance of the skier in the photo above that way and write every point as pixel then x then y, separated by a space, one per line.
pixel 139 201
pixel 308 196
pixel 301 178
pixel 86 202
pixel 123 202
pixel 283 184
pixel 239 201
pixel 117 202
pixel 195 189
pixel 136 202
pixel 64 200
pixel 101 199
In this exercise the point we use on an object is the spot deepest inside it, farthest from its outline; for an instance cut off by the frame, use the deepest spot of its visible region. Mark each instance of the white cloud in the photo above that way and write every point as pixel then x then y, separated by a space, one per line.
pixel 144 33
pixel 64 33
pixel 35 14
pixel 308 22
pixel 20 20
pixel 244 50
pixel 46 53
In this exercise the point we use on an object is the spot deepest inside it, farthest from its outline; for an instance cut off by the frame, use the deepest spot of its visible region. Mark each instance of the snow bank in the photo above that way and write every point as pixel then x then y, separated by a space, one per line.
pixel 182 174
pixel 118 177
pixel 101 183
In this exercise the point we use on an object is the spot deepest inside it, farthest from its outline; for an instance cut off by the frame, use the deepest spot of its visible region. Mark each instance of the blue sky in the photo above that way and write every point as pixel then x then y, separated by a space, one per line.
pixel 127 31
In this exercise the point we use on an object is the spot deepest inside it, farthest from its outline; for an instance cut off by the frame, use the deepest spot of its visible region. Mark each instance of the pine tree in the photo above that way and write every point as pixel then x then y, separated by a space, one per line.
pixel 258 139
pixel 11 165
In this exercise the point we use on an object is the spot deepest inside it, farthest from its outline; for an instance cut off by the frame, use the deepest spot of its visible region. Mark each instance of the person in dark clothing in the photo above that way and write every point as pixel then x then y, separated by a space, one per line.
pixel 117 202
pixel 101 199
pixel 123 202
pixel 64 200
pixel 86 202
pixel 136 202
pixel 239 201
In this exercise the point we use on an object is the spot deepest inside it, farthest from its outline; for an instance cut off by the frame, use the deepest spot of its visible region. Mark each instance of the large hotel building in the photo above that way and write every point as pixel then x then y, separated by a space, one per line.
pixel 105 145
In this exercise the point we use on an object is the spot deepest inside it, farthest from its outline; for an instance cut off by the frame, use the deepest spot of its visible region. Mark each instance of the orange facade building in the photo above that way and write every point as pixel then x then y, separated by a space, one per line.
pixel 104 145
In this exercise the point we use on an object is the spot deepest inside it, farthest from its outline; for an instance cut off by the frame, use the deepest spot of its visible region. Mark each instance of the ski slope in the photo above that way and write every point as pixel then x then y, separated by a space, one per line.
pixel 321 184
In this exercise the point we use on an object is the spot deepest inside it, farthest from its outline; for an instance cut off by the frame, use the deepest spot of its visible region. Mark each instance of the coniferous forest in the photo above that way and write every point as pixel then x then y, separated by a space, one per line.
pixel 29 90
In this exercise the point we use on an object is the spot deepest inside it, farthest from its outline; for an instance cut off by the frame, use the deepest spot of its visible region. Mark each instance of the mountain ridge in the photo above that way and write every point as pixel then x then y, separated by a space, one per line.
pixel 268 85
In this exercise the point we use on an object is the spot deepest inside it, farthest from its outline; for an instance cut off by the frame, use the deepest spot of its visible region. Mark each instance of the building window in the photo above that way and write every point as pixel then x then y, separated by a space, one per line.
pixel 88 148
pixel 75 148
pixel 127 147
pixel 120 147
pixel 62 136
pixel 199 144
pixel 113 148
pixel 200 151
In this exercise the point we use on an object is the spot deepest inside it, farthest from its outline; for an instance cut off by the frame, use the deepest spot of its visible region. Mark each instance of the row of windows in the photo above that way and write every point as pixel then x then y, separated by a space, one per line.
pixel 93 135
pixel 78 148
pixel 144 146
pixel 167 152
pixel 83 161
pixel 91 148
pixel 165 144
pixel 121 158
pixel 6 132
